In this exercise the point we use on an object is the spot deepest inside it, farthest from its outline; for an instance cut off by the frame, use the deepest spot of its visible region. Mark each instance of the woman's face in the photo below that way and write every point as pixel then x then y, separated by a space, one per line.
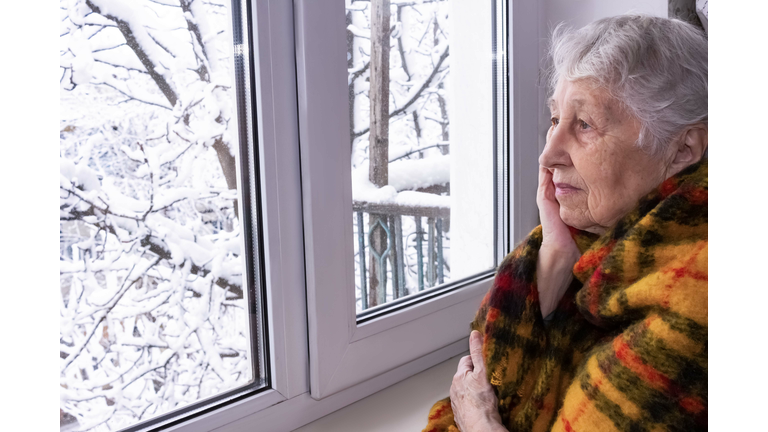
pixel 598 171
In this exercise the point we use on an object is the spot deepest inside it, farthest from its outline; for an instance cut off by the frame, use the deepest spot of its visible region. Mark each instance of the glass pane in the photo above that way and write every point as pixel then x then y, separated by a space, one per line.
pixel 158 307
pixel 422 94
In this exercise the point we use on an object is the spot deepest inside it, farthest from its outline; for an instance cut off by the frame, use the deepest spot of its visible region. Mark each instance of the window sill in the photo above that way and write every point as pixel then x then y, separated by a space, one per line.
pixel 407 404
pixel 288 415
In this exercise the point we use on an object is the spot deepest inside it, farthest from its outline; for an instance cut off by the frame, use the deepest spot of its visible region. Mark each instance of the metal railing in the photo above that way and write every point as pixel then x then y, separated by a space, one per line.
pixel 382 271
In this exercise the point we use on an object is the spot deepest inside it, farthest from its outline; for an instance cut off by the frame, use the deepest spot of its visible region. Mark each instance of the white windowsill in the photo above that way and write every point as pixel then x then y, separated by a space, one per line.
pixel 401 407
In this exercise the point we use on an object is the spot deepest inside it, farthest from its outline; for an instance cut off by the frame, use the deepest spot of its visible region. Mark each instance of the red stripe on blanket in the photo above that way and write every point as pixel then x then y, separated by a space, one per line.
pixel 437 414
pixel 697 196
pixel 567 425
pixel 503 280
pixel 597 282
pixel 684 271
pixel 591 259
pixel 493 313
pixel 634 363
pixel 692 404
pixel 666 294
pixel 668 187
pixel 583 405
pixel 590 263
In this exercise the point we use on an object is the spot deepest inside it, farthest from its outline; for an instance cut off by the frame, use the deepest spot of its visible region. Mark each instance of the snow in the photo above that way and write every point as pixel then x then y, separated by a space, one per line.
pixel 365 191
pixel 129 184
pixel 363 33
pixel 420 173
pixel 82 63
pixel 79 175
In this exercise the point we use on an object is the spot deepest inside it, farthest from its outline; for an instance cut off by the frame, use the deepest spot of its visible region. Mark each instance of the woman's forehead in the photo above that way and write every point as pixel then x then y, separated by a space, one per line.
pixel 577 95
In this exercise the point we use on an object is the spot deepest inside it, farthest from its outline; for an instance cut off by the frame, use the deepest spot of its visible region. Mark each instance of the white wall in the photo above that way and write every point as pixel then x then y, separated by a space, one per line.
pixel 581 12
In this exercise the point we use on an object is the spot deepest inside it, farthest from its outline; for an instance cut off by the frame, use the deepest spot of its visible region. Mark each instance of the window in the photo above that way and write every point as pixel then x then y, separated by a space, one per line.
pixel 210 144
pixel 453 45
pixel 422 144
pixel 160 282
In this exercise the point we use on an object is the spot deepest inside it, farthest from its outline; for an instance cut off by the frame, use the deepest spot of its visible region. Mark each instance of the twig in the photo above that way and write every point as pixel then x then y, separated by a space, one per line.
pixel 110 48
pixel 134 97
pixel 418 150
pixel 120 66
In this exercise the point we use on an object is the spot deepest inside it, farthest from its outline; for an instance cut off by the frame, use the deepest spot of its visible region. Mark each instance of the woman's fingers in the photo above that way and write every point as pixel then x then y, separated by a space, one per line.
pixel 473 400
pixel 476 351
pixel 555 231
pixel 546 187
pixel 465 366
pixel 549 208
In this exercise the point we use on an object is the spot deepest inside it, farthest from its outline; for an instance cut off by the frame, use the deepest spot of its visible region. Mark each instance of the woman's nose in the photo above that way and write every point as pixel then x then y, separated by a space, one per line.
pixel 555 151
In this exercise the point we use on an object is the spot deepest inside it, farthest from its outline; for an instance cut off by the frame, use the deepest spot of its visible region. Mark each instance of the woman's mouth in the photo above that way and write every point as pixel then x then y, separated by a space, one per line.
pixel 565 189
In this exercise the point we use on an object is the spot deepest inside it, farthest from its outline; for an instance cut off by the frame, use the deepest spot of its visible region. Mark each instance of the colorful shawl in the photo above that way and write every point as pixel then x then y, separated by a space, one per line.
pixel 626 348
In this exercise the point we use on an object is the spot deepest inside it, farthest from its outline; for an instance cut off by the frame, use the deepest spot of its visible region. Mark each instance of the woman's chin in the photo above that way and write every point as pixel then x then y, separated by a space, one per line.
pixel 577 220
pixel 571 218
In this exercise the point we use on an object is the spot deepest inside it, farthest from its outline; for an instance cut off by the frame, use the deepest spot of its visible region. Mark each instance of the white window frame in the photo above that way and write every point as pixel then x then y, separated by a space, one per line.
pixel 342 352
pixel 317 350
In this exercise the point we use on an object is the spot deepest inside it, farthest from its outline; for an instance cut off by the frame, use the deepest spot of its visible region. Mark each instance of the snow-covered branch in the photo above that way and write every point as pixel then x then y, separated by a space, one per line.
pixel 153 315
pixel 416 94
pixel 133 34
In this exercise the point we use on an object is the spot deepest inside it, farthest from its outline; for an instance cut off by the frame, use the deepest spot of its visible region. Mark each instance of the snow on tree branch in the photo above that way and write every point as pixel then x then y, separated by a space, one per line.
pixel 153 310
pixel 419 88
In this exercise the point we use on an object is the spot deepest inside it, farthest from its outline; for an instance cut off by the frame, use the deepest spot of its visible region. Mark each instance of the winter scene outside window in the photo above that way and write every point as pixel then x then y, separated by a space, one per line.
pixel 421 116
pixel 156 310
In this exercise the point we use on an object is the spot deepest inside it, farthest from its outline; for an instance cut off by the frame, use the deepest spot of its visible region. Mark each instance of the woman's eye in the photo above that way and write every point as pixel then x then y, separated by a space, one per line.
pixel 584 124
pixel 555 121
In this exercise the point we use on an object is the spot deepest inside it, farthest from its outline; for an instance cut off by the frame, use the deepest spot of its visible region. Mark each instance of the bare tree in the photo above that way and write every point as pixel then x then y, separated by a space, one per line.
pixel 152 293
pixel 400 114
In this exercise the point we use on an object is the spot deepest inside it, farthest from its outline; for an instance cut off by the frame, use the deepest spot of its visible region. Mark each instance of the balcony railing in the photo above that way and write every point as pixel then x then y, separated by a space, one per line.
pixel 387 271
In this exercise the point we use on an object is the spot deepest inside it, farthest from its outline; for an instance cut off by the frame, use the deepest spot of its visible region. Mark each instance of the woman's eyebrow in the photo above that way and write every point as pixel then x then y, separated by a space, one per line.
pixel 575 103
pixel 551 103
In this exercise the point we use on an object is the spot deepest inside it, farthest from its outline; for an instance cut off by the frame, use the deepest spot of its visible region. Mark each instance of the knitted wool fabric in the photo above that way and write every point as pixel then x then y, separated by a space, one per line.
pixel 626 349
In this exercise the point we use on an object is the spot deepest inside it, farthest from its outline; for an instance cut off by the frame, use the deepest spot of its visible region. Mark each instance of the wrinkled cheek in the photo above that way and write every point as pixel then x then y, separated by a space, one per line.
pixel 606 208
pixel 574 210
pixel 595 205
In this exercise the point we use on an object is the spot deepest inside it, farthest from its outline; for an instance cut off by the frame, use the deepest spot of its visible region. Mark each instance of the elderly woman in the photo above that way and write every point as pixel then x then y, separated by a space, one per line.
pixel 598 320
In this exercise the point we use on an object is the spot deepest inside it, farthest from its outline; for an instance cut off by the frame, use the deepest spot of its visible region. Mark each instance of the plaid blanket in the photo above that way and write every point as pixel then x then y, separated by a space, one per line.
pixel 626 349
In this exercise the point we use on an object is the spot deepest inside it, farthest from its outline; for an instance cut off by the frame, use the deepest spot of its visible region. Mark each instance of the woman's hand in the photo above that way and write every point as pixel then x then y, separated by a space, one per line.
pixel 558 251
pixel 474 403
pixel 556 234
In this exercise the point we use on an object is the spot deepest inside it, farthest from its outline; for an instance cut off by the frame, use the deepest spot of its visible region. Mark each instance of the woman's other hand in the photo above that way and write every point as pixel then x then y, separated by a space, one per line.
pixel 474 403
pixel 558 251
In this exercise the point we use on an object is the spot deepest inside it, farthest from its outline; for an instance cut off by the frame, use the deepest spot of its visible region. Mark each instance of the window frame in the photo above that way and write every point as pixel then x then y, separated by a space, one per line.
pixel 337 341
pixel 279 30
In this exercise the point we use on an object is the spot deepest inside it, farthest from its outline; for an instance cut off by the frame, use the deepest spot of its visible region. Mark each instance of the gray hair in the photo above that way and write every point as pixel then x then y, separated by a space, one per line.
pixel 656 67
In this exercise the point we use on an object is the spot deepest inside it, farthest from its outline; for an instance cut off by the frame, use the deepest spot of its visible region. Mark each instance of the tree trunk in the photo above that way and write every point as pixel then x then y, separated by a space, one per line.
pixel 378 147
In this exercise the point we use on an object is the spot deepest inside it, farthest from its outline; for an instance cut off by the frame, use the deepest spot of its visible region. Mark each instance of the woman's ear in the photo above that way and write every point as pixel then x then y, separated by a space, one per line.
pixel 691 146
